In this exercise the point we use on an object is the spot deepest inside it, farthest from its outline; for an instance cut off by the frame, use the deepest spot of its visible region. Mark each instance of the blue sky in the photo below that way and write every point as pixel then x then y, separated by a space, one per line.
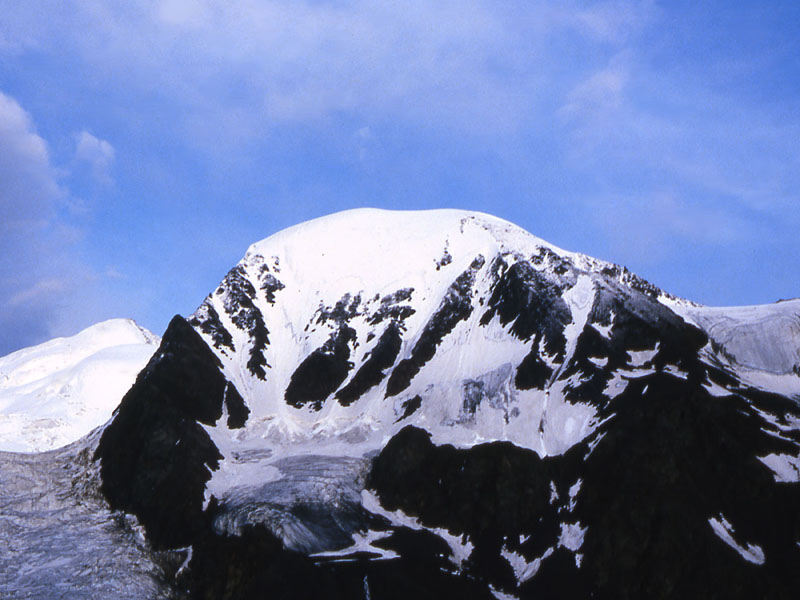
pixel 144 144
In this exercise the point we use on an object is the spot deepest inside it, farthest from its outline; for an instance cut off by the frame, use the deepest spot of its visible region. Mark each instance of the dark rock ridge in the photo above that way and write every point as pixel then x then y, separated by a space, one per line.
pixel 154 455
pixel 256 565
pixel 391 307
pixel 373 369
pixel 532 304
pixel 237 409
pixel 238 294
pixel 671 458
pixel 207 320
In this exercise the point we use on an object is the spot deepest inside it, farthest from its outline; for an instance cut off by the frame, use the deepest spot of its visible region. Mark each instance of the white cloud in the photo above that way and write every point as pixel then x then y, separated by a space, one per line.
pixel 41 273
pixel 28 195
pixel 472 65
pixel 97 153
pixel 28 186
pixel 597 97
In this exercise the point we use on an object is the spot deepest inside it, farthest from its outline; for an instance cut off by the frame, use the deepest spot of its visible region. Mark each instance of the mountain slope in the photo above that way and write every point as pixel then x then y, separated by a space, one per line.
pixel 339 323
pixel 56 392
pixel 378 404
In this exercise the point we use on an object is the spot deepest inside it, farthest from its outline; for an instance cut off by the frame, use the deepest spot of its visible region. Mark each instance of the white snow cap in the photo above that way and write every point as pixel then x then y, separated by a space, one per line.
pixel 375 247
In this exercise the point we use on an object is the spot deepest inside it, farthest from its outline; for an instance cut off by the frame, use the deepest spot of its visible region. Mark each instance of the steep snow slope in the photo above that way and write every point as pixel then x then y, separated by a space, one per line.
pixel 56 392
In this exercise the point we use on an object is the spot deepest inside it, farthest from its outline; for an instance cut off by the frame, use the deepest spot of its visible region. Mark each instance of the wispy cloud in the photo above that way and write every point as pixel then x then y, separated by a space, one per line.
pixel 616 20
pixel 41 292
pixel 644 229
pixel 471 64
pixel 28 184
pixel 42 275
pixel 596 101
pixel 29 192
pixel 705 168
pixel 96 153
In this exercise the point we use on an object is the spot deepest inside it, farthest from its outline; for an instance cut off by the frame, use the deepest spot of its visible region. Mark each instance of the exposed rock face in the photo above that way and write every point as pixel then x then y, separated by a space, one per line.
pixel 380 405
pixel 155 455
pixel 627 518
pixel 322 372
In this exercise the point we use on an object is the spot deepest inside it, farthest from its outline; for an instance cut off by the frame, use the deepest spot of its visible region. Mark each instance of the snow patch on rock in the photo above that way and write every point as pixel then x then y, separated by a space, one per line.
pixel 724 530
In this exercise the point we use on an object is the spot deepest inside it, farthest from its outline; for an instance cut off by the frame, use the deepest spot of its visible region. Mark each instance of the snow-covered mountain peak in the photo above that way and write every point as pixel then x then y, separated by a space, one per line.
pixel 54 393
pixel 420 233
pixel 354 325
pixel 417 386
pixel 376 248
pixel 40 361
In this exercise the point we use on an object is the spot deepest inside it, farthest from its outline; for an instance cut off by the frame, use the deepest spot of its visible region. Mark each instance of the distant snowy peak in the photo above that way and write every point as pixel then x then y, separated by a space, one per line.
pixel 28 364
pixel 56 392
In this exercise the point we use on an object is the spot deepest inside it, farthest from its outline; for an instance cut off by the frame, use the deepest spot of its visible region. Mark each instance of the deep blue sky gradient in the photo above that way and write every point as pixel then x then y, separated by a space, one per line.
pixel 145 144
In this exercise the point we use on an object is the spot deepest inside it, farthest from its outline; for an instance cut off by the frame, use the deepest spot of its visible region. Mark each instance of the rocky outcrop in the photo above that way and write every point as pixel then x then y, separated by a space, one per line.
pixel 155 456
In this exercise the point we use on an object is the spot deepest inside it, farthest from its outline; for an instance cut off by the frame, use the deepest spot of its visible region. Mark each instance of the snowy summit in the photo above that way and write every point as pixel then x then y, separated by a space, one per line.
pixel 56 392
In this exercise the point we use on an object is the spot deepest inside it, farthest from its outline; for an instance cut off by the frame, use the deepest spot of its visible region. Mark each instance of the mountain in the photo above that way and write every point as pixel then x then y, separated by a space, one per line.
pixel 56 392
pixel 383 404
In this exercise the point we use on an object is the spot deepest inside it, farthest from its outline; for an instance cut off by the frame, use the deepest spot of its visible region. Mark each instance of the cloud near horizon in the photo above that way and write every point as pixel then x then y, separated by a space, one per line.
pixel 43 277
